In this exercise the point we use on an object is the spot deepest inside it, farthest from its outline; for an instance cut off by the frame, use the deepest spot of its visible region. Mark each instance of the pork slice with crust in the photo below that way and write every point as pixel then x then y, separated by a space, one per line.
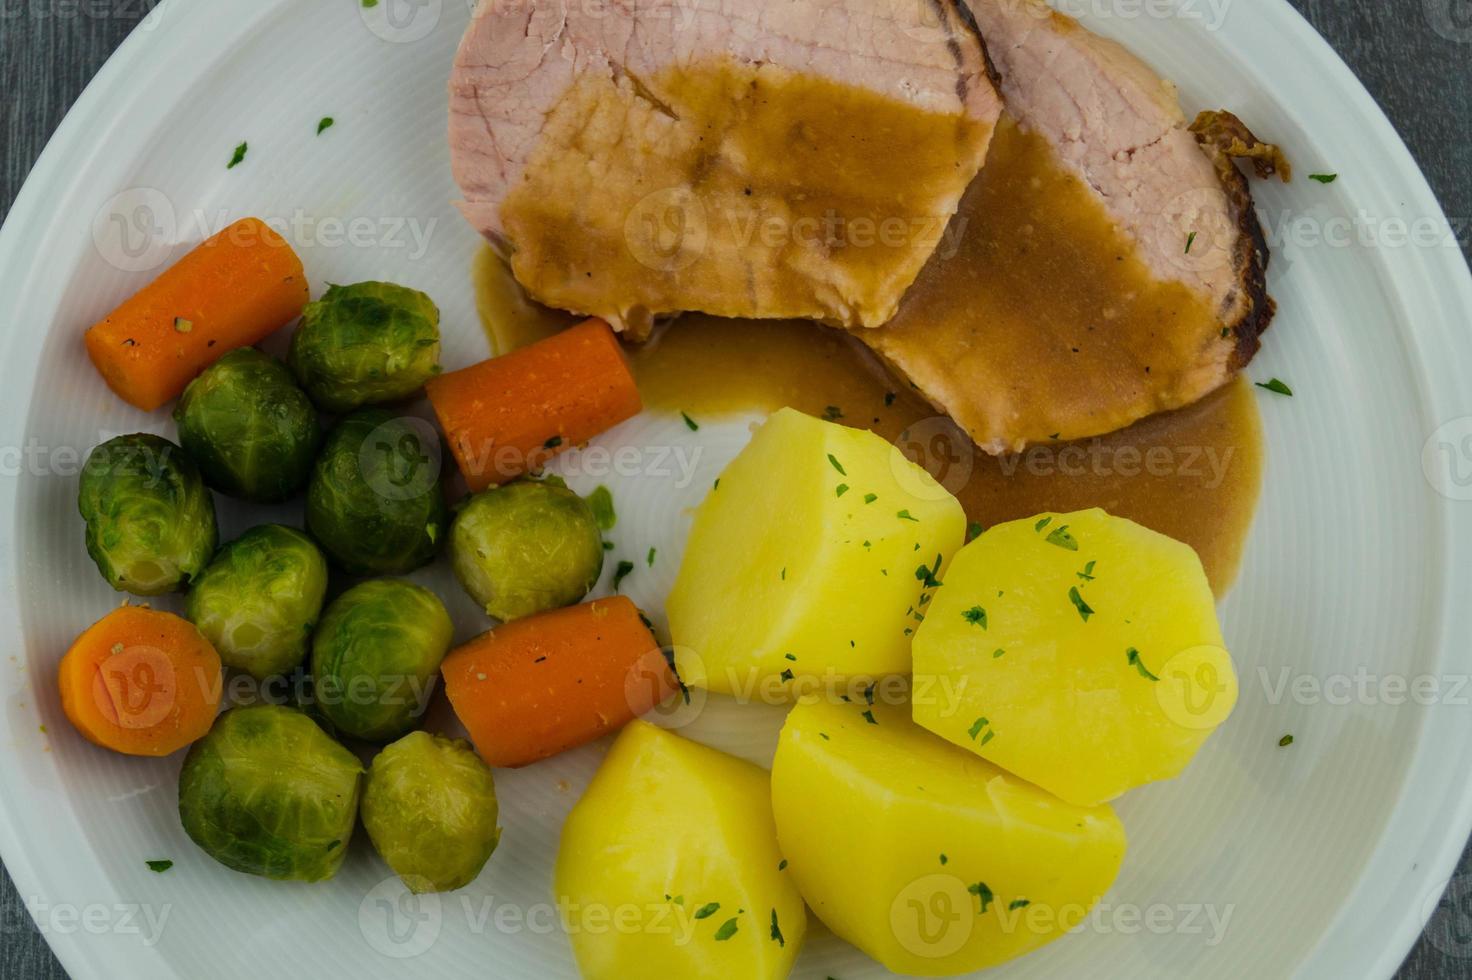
pixel 1141 282
pixel 636 158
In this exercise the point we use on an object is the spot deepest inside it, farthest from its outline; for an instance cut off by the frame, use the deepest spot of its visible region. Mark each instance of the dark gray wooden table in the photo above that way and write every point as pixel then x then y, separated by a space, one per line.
pixel 1415 56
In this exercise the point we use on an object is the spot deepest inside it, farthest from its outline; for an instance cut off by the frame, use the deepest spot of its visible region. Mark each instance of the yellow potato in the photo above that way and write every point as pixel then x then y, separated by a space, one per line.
pixel 929 859
pixel 804 562
pixel 669 866
pixel 1086 651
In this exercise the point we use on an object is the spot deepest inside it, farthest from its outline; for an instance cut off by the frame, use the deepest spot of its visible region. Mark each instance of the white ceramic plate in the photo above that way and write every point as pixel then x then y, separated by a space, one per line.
pixel 1322 859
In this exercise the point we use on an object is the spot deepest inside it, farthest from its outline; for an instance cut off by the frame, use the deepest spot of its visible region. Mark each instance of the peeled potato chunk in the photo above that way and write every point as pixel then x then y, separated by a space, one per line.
pixel 1083 651
pixel 669 867
pixel 929 859
pixel 807 562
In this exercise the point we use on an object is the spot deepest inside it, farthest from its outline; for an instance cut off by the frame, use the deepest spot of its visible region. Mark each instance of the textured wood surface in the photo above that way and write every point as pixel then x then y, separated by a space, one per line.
pixel 1415 56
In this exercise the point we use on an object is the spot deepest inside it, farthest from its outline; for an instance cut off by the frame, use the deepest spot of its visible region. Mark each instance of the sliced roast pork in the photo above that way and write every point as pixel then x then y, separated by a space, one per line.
pixel 636 158
pixel 1109 263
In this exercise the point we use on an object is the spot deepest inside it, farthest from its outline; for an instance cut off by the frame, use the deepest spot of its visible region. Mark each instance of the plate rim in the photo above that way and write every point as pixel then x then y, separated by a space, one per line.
pixel 1441 743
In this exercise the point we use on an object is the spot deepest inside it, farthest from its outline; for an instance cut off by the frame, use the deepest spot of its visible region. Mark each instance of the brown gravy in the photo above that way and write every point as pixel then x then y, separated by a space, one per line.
pixel 746 189
pixel 1193 474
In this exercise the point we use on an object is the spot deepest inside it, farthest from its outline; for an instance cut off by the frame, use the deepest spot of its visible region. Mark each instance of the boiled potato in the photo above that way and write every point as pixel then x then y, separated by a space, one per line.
pixel 807 562
pixel 1079 651
pixel 669 866
pixel 929 859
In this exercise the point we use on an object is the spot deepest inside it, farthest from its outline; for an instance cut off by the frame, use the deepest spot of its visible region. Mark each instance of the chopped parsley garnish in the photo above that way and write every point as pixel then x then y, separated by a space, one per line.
pixel 905 515
pixel 983 895
pixel 1285 741
pixel 1324 178
pixel 716 485
pixel 997 653
pixel 601 500
pixel 786 674
pixel 1020 903
pixel 1088 573
pixel 869 498
pixel 976 616
pixel 824 736
pixel 369 4
pixel 1132 657
pixel 621 572
pixel 777 931
pixel 791 656
pixel 869 717
pixel 973 531
pixel 239 156
pixel 1277 387
pixel 869 693
pixel 837 465
pixel 889 398
pixel 608 546
pixel 943 859
pixel 1042 523
pixel 841 489
pixel 784 573
pixel 1062 538
pixel 690 423
pixel 552 443
pixel 832 413
pixel 707 910
pixel 927 574
pixel 976 727
pixel 1079 604
pixel 159 867
pixel 650 560
pixel 1190 240
pixel 726 931
pixel 327 123
pixel 782 865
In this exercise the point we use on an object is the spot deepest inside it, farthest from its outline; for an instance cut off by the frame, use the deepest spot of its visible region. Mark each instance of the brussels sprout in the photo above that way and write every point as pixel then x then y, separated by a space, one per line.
pixel 375 656
pixel 259 599
pixel 150 519
pixel 269 793
pixel 430 807
pixel 525 548
pixel 374 501
pixel 365 344
pixel 252 431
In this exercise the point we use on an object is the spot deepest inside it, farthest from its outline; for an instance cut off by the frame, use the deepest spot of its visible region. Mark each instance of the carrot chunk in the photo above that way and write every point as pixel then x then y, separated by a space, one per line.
pixel 231 291
pixel 507 416
pixel 141 682
pixel 542 685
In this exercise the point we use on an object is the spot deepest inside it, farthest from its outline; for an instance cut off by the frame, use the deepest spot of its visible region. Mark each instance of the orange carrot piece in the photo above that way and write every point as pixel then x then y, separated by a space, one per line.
pixel 509 415
pixel 231 291
pixel 542 685
pixel 141 682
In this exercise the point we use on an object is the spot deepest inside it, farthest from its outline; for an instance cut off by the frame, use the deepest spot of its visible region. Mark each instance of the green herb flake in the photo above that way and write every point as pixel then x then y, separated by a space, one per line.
pixel 1020 903
pixel 552 443
pixel 889 398
pixel 369 4
pixel 869 717
pixel 1285 741
pixel 1079 604
pixel 983 895
pixel 601 500
pixel 824 736
pixel 1132 657
pixel 1190 240
pixel 726 931
pixel 1062 538
pixel 608 546
pixel 1324 178
pixel 690 423
pixel 707 910
pixel 782 865
pixel 791 656
pixel 1276 387
pixel 976 616
pixel 997 653
pixel 837 465
pixel 650 559
pixel 976 727
pixel 905 515
pixel 973 531
pixel 327 123
pixel 159 867
pixel 786 674
pixel 621 572
pixel 944 859
pixel 987 737
pixel 1042 523
pixel 832 413
pixel 1088 573
pixel 927 575
pixel 869 498
pixel 777 931
pixel 869 693
pixel 239 156
pixel 841 489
